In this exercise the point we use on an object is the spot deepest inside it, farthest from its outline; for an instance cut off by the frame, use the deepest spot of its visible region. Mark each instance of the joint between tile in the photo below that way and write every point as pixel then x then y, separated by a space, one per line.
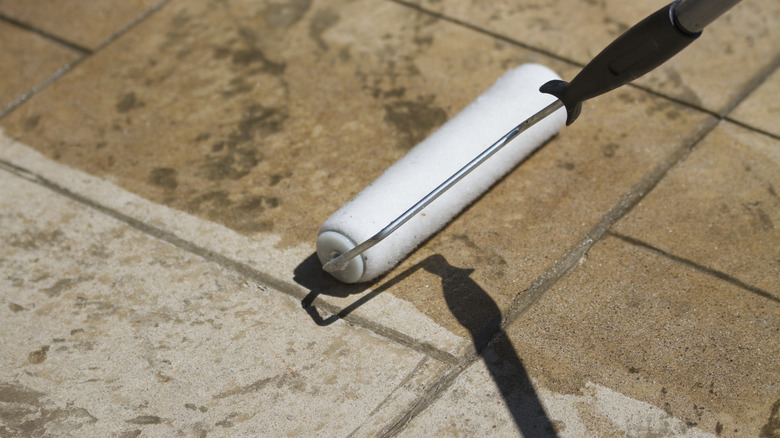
pixel 525 299
pixel 751 87
pixel 54 38
pixel 693 265
pixel 486 32
pixel 233 265
pixel 752 128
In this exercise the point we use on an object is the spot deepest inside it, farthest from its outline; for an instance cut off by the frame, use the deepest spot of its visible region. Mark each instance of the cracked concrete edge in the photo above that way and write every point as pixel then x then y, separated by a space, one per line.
pixel 255 257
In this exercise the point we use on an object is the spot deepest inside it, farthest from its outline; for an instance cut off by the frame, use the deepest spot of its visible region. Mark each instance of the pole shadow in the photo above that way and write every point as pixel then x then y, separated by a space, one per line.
pixel 474 309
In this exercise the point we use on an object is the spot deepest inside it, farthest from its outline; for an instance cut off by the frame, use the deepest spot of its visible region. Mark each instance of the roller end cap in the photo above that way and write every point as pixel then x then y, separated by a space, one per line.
pixel 330 244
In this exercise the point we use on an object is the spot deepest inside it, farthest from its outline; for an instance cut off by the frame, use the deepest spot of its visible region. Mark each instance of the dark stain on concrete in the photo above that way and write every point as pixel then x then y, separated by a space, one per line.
pixel 230 161
pixel 238 85
pixel 236 156
pixel 10 393
pixel 610 149
pixel 62 285
pixel 15 307
pixel 321 22
pixel 145 419
pixel 761 218
pixel 566 165
pixel 215 200
pixel 127 102
pixel 130 433
pixel 259 121
pixel 38 356
pixel 227 421
pixel 30 240
pixel 243 215
pixel 23 413
pixel 414 120
pixel 278 177
pixel 31 122
pixel 221 53
pixel 253 55
pixel 253 387
pixel 164 177
pixel 772 427
pixel 286 14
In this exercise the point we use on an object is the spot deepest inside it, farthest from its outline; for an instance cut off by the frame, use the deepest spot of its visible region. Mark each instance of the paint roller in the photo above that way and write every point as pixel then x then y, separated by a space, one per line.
pixel 447 171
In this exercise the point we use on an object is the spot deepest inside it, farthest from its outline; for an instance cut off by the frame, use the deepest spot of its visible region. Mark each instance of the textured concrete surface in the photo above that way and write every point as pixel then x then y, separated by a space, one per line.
pixel 169 343
pixel 160 200
pixel 27 60
pixel 82 23
pixel 761 110
pixel 735 46
pixel 732 179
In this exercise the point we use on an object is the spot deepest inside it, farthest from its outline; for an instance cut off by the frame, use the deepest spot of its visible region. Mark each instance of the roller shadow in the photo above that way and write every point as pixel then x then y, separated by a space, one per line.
pixel 474 309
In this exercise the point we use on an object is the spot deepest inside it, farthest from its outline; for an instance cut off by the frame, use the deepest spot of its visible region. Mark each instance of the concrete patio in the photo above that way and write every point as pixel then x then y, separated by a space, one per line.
pixel 165 166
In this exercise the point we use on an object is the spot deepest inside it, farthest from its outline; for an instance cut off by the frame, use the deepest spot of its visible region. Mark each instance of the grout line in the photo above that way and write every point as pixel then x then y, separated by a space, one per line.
pixel 624 205
pixel 752 85
pixel 723 115
pixel 232 265
pixel 427 398
pixel 524 300
pixel 752 128
pixel 137 20
pixel 489 33
pixel 691 264
pixel 49 36
pixel 85 53
pixel 40 86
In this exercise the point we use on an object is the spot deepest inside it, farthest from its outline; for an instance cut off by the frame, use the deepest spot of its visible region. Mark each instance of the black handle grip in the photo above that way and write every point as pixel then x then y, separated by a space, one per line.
pixel 640 49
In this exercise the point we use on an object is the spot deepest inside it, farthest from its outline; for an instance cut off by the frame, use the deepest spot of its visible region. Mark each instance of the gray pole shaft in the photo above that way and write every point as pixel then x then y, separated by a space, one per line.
pixel 695 15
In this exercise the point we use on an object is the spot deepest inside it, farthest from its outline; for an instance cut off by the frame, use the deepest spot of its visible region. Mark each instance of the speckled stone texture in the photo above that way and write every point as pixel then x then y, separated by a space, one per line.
pixel 227 113
pixel 164 168
pixel 761 109
pixel 83 23
pixel 159 341
pixel 733 51
pixel 26 60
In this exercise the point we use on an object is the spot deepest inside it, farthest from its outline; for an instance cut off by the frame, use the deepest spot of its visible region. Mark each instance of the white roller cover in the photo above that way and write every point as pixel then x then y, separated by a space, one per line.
pixel 513 98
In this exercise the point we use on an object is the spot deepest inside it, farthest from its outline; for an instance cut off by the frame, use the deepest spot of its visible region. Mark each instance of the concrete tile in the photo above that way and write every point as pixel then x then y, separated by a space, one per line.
pixel 27 60
pixel 761 109
pixel 254 256
pixel 629 343
pixel 84 23
pixel 711 73
pixel 107 331
pixel 719 208
pixel 244 114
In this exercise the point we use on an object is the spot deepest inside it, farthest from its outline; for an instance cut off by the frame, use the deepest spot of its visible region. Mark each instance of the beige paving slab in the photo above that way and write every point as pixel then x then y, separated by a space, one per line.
pixel 105 331
pixel 629 343
pixel 26 60
pixel 82 22
pixel 384 313
pixel 761 109
pixel 711 73
pixel 267 119
pixel 719 208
